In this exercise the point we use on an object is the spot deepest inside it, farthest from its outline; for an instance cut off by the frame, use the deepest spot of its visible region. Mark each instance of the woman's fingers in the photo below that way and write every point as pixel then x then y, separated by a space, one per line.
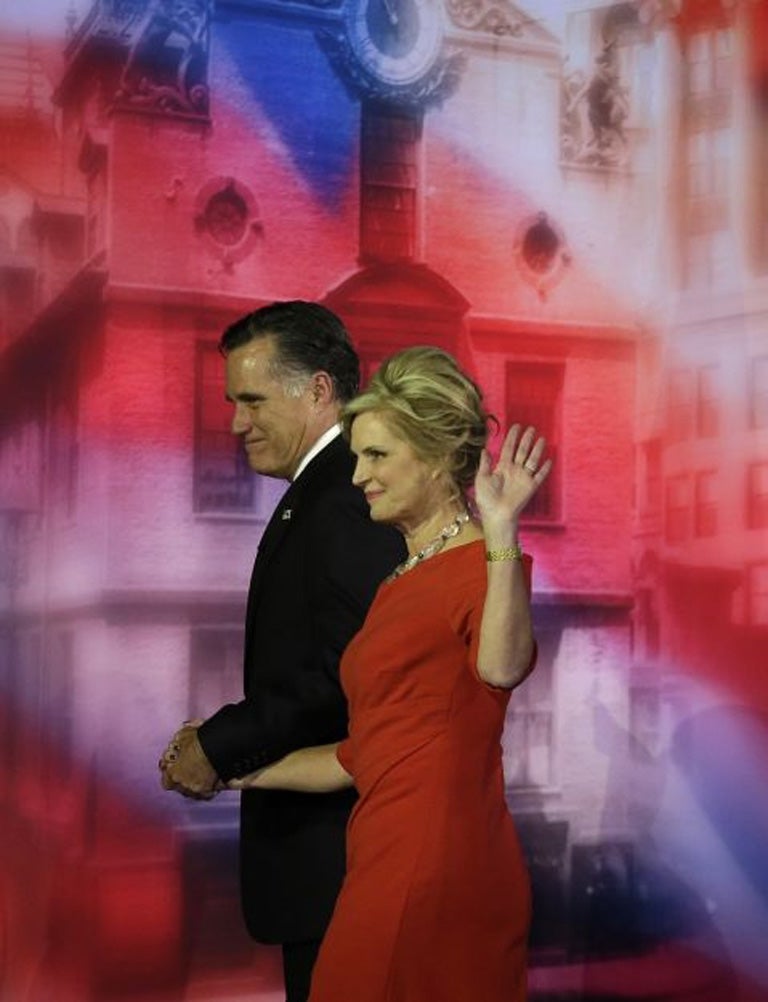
pixel 523 450
pixel 543 472
pixel 509 446
pixel 533 459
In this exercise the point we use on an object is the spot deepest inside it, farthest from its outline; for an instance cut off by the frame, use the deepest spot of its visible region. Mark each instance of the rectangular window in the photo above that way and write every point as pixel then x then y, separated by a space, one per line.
pixel 707 403
pixel 677 512
pixel 722 75
pixel 223 481
pixel 650 476
pixel 707 181
pixel 758 392
pixel 389 183
pixel 709 67
pixel 644 721
pixel 680 405
pixel 699 73
pixel 646 626
pixel 708 241
pixel 705 504
pixel 708 140
pixel 757 496
pixel 534 397
pixel 529 732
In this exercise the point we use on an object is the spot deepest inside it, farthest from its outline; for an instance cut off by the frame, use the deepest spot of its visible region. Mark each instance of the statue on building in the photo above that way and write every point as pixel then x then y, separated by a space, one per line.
pixel 594 111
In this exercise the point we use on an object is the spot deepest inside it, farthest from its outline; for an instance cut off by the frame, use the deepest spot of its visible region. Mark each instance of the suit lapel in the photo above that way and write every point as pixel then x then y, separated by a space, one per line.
pixel 334 460
pixel 277 527
pixel 273 534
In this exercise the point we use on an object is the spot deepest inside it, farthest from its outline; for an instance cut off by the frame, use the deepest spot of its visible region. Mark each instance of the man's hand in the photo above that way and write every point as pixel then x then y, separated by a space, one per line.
pixel 184 766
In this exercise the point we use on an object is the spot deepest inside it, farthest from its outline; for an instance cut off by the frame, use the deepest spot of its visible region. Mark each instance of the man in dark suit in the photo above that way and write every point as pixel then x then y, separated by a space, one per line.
pixel 290 367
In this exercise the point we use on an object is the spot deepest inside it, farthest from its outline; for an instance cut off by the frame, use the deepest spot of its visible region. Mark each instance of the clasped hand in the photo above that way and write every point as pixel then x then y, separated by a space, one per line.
pixel 185 768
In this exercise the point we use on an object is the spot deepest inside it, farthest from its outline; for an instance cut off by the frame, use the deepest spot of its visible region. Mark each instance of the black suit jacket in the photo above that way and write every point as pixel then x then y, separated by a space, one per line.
pixel 317 569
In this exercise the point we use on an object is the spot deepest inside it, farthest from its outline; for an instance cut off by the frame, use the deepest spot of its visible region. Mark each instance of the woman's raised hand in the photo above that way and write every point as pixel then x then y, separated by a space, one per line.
pixel 502 491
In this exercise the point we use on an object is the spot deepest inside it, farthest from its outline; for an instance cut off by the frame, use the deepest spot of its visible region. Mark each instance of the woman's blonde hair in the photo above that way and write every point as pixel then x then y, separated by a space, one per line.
pixel 432 405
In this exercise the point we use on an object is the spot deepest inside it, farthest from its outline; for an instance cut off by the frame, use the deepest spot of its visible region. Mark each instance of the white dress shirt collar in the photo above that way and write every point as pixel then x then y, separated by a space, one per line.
pixel 325 439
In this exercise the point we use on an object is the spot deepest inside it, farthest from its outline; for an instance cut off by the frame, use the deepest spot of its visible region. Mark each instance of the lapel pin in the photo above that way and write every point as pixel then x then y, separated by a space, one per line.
pixel 286 515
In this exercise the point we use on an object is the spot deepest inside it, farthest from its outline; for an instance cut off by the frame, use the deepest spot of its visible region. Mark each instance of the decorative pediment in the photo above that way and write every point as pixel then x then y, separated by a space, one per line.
pixel 393 306
pixel 411 286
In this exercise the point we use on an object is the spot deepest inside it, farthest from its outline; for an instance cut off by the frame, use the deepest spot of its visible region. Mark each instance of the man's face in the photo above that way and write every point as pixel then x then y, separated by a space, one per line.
pixel 277 429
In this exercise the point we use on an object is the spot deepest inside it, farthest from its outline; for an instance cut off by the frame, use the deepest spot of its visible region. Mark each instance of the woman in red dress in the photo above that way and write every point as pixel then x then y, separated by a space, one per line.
pixel 435 905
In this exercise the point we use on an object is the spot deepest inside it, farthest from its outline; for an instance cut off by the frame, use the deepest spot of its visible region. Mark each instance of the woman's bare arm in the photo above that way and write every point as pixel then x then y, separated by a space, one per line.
pixel 506 647
pixel 307 770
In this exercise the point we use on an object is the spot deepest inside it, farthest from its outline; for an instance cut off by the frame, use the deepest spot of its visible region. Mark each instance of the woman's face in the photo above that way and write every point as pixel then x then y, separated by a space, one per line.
pixel 401 488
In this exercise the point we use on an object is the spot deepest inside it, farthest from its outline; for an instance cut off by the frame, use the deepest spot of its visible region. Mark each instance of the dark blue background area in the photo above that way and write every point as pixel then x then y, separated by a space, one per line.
pixel 291 79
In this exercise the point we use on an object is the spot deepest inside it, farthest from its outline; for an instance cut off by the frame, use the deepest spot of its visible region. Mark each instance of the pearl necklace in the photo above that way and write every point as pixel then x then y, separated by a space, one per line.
pixel 433 546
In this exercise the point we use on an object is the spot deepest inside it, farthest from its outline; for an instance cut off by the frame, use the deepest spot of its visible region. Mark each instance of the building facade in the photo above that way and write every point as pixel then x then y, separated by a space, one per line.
pixel 521 196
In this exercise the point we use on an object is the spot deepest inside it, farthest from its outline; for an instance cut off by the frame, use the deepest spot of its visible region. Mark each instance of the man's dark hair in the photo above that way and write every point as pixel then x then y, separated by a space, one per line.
pixel 308 338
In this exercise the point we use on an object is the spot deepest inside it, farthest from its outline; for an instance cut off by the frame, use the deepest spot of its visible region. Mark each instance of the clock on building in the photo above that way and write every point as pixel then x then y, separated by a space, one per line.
pixel 397 41
pixel 393 51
